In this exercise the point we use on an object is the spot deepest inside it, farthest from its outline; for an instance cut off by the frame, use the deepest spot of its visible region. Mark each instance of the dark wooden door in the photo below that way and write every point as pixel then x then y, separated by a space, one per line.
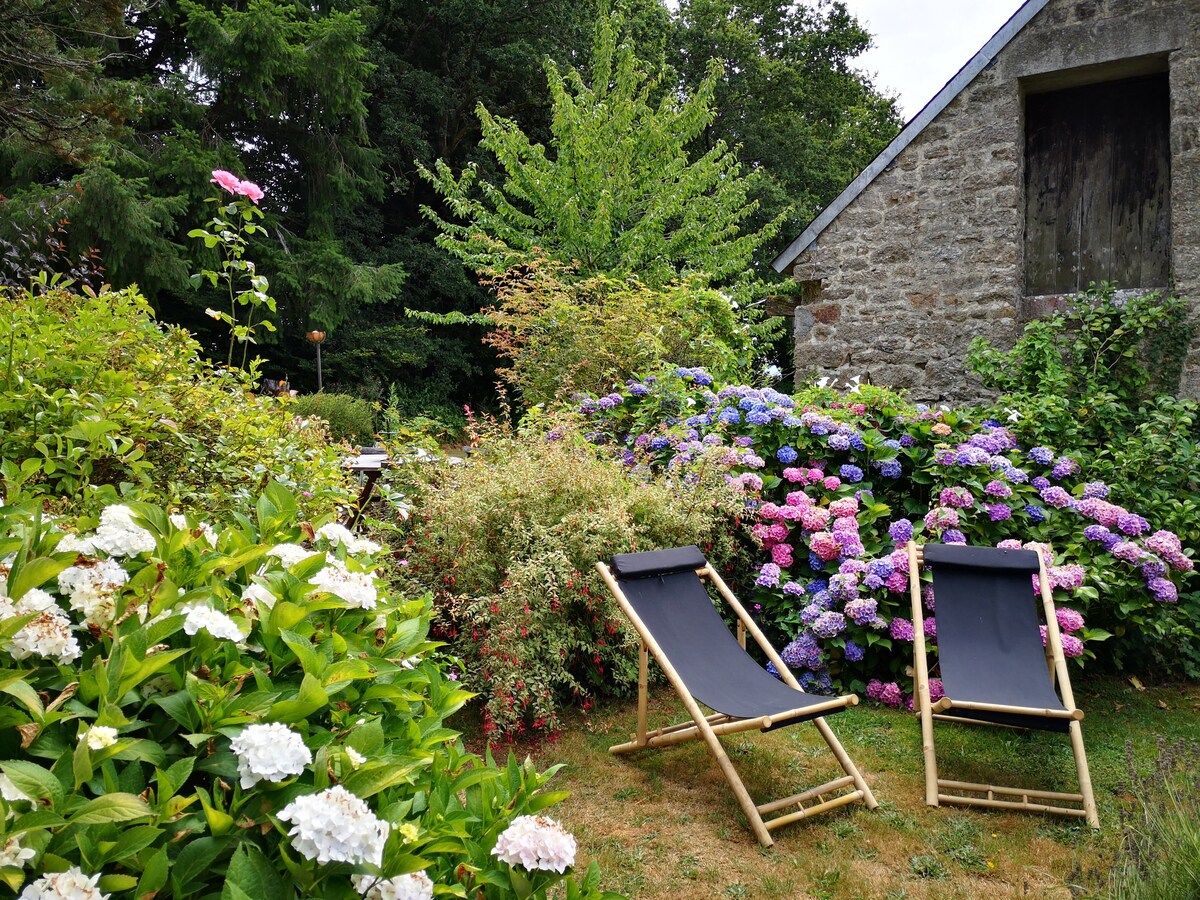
pixel 1097 186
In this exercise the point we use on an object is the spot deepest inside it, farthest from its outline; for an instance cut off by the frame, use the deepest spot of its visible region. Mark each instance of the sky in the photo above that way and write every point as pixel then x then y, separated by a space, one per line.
pixel 920 44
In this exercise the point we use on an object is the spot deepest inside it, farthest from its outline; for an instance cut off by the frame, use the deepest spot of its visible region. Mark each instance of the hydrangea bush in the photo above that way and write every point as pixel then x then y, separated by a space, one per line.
pixel 838 484
pixel 192 710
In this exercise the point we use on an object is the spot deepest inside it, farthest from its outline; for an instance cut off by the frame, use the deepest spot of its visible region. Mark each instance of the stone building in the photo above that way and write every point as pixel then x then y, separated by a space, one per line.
pixel 1066 151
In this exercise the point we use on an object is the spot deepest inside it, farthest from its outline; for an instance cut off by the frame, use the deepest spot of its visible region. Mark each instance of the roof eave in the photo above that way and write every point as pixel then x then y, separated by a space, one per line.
pixel 909 132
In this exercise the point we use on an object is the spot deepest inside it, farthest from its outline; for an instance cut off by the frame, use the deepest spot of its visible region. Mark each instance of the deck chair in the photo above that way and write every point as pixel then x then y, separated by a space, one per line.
pixel 993 667
pixel 662 594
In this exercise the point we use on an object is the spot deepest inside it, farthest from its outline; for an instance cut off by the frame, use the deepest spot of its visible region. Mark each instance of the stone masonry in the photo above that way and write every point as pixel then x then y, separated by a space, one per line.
pixel 930 253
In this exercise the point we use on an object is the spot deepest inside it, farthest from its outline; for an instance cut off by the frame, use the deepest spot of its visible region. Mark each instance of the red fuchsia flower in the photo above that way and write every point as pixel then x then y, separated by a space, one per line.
pixel 250 191
pixel 226 180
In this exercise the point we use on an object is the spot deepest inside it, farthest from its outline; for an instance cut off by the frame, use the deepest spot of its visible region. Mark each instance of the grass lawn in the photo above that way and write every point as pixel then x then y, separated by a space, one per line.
pixel 663 824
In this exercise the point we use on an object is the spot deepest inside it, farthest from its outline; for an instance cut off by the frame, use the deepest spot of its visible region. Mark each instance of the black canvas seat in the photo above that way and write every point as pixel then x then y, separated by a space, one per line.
pixel 993 666
pixel 665 598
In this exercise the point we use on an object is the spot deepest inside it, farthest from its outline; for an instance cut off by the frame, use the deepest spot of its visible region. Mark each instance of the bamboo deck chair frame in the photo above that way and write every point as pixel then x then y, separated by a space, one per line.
pixel 691 569
pixel 1064 716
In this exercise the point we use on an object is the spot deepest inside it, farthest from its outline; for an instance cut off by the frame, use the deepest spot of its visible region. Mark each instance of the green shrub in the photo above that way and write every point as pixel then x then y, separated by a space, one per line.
pixel 173 694
pixel 508 542
pixel 348 418
pixel 94 392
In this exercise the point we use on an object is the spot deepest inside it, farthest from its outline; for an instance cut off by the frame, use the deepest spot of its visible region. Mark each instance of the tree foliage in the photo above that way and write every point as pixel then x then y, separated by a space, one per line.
pixel 617 192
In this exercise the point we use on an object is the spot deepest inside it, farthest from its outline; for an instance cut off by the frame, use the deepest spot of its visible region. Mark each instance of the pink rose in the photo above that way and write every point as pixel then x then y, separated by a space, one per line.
pixel 249 190
pixel 227 180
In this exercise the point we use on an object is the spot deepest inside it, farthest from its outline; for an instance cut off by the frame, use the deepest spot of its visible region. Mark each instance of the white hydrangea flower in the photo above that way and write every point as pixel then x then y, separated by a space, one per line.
pixel 69 885
pixel 536 842
pixel 356 588
pixel 290 554
pixel 48 635
pixel 119 535
pixel 356 758
pixel 13 854
pixel 179 520
pixel 99 736
pixel 269 752
pixel 258 596
pixel 74 543
pixel 219 625
pixel 336 826
pixel 91 589
pixel 413 886
pixel 338 534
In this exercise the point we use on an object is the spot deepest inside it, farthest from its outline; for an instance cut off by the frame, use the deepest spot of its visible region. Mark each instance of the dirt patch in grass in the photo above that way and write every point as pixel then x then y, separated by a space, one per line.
pixel 664 824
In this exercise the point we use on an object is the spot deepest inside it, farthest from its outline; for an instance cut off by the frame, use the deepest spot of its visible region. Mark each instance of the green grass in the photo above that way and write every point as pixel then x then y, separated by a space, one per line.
pixel 663 824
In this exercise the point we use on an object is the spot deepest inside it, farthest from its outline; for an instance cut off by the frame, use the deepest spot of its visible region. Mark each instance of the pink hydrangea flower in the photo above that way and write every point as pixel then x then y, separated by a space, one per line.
pixel 832 483
pixel 897 582
pixel 795 475
pixel 891 695
pixel 1069 578
pixel 814 518
pixel 825 546
pixel 799 498
pixel 936 690
pixel 847 507
pixel 781 555
pixel 770 511
pixel 1068 619
pixel 1072 646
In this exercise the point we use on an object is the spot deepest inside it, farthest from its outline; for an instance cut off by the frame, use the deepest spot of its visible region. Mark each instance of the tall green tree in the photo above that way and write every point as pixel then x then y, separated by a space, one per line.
pixel 804 120
pixel 617 191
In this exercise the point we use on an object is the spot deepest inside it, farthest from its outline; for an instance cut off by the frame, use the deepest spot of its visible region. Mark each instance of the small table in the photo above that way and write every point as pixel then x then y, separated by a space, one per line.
pixel 371 465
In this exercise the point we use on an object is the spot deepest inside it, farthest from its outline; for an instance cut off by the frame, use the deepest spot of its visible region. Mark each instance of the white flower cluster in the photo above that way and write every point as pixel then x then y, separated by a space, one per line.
pixel 413 886
pixel 69 885
pixel 536 842
pixel 99 736
pixel 13 854
pixel 73 543
pixel 356 588
pixel 258 597
pixel 290 554
pixel 91 589
pixel 269 752
pixel 206 531
pixel 336 826
pixel 338 534
pixel 201 616
pixel 48 634
pixel 119 535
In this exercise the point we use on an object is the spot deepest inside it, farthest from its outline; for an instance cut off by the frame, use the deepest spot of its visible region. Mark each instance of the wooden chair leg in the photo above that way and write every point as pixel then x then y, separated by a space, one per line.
pixel 846 762
pixel 1085 778
pixel 735 783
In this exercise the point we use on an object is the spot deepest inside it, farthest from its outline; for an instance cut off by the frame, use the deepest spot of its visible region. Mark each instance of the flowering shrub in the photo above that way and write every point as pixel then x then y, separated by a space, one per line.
pixel 94 392
pixel 193 710
pixel 508 543
pixel 839 484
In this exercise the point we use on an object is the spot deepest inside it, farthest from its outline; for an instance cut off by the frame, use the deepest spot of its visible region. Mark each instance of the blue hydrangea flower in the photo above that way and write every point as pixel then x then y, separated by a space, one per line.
pixel 1041 455
pixel 890 469
pixel 791 421
pixel 659 442
pixel 817 585
pixel 639 390
pixel 1036 513
pixel 851 473
pixel 787 455
pixel 730 416
pixel 758 417
pixel 854 653
pixel 839 442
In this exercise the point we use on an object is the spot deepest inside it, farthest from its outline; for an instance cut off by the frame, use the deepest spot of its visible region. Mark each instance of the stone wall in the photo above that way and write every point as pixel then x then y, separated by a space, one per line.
pixel 930 253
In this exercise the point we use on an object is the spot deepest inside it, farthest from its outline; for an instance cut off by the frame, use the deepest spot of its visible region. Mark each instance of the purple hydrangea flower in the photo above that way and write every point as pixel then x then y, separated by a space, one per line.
pixel 1163 590
pixel 1153 568
pixel 839 442
pixel 638 390
pixel 953 536
pixel 1042 455
pixel 1068 619
pixel 829 624
pixel 901 531
pixel 997 489
pixel 793 589
pixel 1064 466
pixel 1128 523
pixel 1127 551
pixel 851 473
pixel 1095 490
pixel 758 417
pixel 802 653
pixel 1055 496
pixel 854 653
pixel 901 629
pixel 907 440
pixel 862 611
pixel 1072 646
pixel 768 575
pixel 998 512
pixel 890 469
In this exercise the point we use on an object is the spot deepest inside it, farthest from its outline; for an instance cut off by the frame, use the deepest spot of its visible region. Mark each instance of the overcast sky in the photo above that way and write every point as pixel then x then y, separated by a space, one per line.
pixel 920 44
